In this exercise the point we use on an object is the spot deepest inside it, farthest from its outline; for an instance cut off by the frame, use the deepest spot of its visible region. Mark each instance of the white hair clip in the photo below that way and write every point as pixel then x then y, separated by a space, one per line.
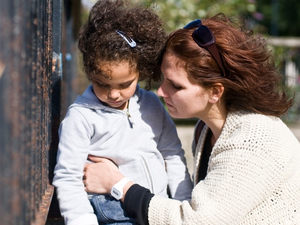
pixel 127 38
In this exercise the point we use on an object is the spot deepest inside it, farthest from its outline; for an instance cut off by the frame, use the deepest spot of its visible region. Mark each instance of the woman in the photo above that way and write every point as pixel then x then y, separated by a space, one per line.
pixel 247 168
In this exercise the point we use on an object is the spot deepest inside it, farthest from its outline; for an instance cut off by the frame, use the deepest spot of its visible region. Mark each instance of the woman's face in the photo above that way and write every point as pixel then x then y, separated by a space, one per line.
pixel 184 99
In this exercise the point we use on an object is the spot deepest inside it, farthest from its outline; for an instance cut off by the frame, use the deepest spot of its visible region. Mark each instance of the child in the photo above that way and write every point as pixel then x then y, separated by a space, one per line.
pixel 116 119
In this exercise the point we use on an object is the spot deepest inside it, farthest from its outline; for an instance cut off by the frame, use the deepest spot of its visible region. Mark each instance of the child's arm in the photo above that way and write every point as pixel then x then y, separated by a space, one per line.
pixel 71 157
pixel 180 184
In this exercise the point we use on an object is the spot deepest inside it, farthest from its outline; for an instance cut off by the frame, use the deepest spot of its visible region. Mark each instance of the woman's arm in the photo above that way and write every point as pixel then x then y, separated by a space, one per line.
pixel 136 198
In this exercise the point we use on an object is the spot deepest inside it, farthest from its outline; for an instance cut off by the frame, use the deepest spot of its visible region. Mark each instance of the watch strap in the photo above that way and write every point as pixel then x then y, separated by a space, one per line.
pixel 117 190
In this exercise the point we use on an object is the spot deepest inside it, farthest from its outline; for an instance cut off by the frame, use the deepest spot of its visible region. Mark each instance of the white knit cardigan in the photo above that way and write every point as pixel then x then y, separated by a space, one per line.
pixel 253 177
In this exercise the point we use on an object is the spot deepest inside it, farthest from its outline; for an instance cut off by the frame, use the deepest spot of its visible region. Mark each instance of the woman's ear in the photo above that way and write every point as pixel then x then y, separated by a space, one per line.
pixel 216 93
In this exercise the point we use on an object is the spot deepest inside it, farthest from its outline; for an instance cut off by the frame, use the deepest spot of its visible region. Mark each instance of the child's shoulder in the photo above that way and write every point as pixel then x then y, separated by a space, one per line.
pixel 148 95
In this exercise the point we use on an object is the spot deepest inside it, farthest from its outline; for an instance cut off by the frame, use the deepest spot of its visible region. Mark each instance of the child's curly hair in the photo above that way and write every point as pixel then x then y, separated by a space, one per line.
pixel 99 41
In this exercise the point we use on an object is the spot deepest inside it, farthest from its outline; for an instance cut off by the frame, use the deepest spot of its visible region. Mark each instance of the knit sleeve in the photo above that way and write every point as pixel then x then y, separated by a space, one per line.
pixel 233 186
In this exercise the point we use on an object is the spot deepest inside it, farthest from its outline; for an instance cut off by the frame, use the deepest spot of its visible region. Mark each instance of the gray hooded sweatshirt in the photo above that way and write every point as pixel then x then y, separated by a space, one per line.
pixel 142 141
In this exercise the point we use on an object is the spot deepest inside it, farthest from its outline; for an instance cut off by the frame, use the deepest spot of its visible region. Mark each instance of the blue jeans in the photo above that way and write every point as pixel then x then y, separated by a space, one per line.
pixel 110 211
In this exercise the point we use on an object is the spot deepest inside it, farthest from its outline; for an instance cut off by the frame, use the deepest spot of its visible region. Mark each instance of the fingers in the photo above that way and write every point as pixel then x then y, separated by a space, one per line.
pixel 86 186
pixel 95 158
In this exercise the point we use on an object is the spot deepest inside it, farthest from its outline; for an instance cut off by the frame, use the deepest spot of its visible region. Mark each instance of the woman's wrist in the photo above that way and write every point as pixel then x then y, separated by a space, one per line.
pixel 125 189
pixel 118 189
pixel 116 177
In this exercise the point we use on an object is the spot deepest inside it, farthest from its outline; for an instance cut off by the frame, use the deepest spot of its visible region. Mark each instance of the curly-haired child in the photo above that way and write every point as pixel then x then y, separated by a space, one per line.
pixel 121 44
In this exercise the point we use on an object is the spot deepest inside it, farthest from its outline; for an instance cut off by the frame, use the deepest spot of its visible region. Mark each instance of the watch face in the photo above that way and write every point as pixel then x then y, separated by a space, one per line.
pixel 116 193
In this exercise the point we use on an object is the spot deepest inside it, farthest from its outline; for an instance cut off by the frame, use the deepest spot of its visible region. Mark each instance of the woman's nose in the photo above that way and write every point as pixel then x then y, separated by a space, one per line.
pixel 161 91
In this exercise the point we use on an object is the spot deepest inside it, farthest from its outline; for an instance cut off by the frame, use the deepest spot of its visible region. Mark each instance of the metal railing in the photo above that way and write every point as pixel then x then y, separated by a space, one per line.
pixel 29 98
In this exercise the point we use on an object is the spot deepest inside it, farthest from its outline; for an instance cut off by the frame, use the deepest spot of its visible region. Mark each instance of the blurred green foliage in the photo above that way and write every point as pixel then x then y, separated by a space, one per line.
pixel 280 17
pixel 273 17
pixel 177 13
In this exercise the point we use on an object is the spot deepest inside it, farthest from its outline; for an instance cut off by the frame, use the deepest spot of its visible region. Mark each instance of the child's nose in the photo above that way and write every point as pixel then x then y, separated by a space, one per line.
pixel 114 93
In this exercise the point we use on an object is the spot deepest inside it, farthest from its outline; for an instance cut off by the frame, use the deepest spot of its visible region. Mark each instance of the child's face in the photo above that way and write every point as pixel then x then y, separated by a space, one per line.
pixel 117 84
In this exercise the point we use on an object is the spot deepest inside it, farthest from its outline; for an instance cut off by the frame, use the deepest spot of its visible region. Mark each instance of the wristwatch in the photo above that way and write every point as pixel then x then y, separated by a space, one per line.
pixel 117 190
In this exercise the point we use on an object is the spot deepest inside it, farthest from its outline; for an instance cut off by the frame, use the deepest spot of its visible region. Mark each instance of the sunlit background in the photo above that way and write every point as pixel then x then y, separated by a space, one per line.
pixel 277 20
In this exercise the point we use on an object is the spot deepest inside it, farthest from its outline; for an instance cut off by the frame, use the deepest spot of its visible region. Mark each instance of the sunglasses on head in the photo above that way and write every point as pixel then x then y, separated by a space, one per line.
pixel 205 39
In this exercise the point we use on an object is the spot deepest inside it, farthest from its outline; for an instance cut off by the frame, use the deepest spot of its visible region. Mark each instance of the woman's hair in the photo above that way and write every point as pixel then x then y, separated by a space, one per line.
pixel 251 81
pixel 99 41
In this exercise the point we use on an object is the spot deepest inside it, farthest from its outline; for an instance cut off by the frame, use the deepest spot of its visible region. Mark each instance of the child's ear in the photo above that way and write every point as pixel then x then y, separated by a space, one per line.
pixel 216 93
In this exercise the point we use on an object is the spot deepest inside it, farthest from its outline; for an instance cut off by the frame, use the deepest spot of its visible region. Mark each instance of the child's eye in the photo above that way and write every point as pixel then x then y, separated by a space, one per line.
pixel 102 85
pixel 126 85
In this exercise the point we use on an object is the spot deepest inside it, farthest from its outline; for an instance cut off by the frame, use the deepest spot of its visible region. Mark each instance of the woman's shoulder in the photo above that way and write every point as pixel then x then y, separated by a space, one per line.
pixel 251 120
pixel 243 127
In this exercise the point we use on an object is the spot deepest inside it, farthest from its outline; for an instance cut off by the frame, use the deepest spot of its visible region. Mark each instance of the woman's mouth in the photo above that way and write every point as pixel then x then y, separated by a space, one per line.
pixel 169 105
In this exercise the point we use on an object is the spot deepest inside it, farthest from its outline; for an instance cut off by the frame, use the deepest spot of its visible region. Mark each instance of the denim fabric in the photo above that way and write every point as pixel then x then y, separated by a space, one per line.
pixel 110 211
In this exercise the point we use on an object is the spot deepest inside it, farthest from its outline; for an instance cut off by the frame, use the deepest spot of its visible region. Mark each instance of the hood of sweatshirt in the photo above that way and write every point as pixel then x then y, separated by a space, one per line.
pixel 89 100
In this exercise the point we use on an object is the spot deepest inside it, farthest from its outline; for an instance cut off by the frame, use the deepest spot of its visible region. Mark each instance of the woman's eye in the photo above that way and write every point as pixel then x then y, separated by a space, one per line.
pixel 177 87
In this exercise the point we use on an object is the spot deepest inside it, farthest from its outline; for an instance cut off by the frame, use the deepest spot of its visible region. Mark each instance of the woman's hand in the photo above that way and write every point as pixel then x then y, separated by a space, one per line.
pixel 100 176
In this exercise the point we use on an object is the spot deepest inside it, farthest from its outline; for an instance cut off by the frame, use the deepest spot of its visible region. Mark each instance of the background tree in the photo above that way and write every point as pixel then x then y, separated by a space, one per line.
pixel 177 13
pixel 280 17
